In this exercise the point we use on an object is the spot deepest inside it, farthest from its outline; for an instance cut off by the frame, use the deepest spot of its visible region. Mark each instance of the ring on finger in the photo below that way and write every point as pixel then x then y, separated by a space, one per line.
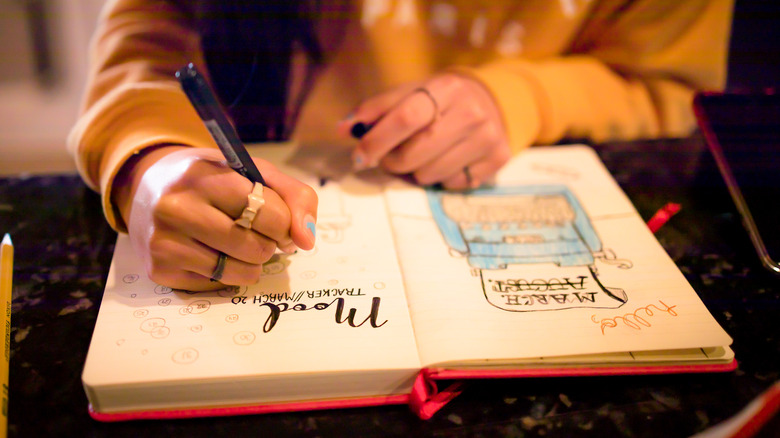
pixel 435 103
pixel 254 202
pixel 216 275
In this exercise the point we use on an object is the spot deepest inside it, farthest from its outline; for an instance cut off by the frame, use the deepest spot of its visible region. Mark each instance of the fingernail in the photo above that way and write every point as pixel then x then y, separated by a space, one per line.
pixel 344 125
pixel 308 222
pixel 289 248
pixel 359 161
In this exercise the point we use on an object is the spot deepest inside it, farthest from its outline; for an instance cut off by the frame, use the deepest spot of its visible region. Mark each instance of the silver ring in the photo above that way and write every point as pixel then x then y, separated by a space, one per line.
pixel 220 268
pixel 254 202
pixel 467 173
pixel 428 93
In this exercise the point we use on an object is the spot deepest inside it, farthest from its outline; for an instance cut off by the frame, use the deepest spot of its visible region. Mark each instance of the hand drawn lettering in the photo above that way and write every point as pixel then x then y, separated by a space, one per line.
pixel 634 320
pixel 538 285
pixel 278 309
pixel 547 299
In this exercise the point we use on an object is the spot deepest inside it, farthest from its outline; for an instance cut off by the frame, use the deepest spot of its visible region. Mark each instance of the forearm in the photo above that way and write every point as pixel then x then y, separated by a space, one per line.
pixel 132 100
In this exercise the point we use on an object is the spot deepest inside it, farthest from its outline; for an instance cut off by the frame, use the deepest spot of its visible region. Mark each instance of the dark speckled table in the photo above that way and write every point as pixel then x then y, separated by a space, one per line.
pixel 63 249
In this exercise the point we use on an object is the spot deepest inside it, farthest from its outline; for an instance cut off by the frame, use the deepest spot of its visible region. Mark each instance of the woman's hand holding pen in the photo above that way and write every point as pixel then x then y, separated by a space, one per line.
pixel 447 130
pixel 180 203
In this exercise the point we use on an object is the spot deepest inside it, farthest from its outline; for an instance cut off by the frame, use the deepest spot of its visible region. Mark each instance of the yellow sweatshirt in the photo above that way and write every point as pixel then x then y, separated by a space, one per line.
pixel 596 69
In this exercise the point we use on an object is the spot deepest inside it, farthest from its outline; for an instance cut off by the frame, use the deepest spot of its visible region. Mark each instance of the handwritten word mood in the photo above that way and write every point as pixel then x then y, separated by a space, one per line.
pixel 279 308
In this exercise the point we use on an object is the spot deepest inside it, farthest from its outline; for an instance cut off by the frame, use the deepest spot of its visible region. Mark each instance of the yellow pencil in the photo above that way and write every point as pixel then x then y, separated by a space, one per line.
pixel 6 275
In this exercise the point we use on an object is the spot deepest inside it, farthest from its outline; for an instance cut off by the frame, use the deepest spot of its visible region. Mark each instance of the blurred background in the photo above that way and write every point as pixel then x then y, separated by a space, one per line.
pixel 43 55
pixel 43 52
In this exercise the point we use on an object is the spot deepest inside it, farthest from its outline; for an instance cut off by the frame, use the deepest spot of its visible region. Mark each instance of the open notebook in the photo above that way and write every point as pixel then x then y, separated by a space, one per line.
pixel 549 272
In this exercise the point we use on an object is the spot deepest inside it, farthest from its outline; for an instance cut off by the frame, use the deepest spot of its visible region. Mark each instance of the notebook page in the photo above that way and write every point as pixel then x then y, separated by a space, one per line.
pixel 296 321
pixel 553 261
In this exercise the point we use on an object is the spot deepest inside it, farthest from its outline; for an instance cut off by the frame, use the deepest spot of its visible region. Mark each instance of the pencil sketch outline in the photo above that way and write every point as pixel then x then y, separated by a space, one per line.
pixel 541 224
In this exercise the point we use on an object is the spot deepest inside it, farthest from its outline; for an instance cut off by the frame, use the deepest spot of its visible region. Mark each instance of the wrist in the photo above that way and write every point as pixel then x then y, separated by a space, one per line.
pixel 129 177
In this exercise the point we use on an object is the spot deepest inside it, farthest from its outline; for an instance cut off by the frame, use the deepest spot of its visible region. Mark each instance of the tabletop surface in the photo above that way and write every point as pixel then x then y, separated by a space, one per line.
pixel 63 249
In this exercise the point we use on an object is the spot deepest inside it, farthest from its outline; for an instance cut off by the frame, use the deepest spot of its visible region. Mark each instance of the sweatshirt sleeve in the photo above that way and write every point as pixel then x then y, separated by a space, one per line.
pixel 631 73
pixel 132 99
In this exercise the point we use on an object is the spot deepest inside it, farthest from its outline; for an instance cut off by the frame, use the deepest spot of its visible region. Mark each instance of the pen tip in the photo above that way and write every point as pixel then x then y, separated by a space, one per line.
pixel 358 130
pixel 7 239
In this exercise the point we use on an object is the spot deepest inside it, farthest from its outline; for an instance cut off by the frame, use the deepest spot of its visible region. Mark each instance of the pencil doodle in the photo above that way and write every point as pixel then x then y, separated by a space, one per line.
pixel 332 219
pixel 162 290
pixel 156 328
pixel 560 171
pixel 185 356
pixel 532 246
pixel 244 338
pixel 308 275
pixel 195 307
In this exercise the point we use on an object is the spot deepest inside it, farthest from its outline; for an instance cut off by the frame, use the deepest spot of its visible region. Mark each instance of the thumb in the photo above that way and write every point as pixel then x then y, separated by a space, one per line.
pixel 302 201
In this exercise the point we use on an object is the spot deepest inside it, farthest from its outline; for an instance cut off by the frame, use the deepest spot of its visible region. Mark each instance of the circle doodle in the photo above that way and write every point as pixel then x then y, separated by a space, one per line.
pixel 162 290
pixel 244 338
pixel 185 356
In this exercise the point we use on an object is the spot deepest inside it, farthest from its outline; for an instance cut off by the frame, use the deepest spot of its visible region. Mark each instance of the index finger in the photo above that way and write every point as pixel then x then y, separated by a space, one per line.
pixel 411 115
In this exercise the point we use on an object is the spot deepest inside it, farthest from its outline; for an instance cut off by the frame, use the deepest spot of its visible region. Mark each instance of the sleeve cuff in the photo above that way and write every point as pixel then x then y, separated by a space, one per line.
pixel 515 97
pixel 130 120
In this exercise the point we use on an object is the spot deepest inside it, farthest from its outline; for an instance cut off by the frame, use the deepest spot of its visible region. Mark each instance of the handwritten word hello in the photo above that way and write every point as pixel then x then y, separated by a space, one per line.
pixel 634 320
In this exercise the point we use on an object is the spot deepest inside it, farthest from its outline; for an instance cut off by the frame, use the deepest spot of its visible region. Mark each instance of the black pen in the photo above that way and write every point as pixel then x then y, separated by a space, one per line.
pixel 202 98
pixel 360 129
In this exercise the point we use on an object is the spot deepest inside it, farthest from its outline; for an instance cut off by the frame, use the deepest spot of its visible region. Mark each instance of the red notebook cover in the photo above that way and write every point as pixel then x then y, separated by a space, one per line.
pixel 425 398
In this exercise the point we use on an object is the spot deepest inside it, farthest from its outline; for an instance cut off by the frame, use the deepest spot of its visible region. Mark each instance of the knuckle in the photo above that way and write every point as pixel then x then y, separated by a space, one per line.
pixel 280 217
pixel 452 83
pixel 501 155
pixel 454 183
pixel 265 252
pixel 412 115
pixel 397 162
pixel 157 272
pixel 308 196
pixel 252 274
pixel 168 207
pixel 159 250
pixel 494 133
pixel 424 178
pixel 257 251
pixel 157 276
pixel 475 114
